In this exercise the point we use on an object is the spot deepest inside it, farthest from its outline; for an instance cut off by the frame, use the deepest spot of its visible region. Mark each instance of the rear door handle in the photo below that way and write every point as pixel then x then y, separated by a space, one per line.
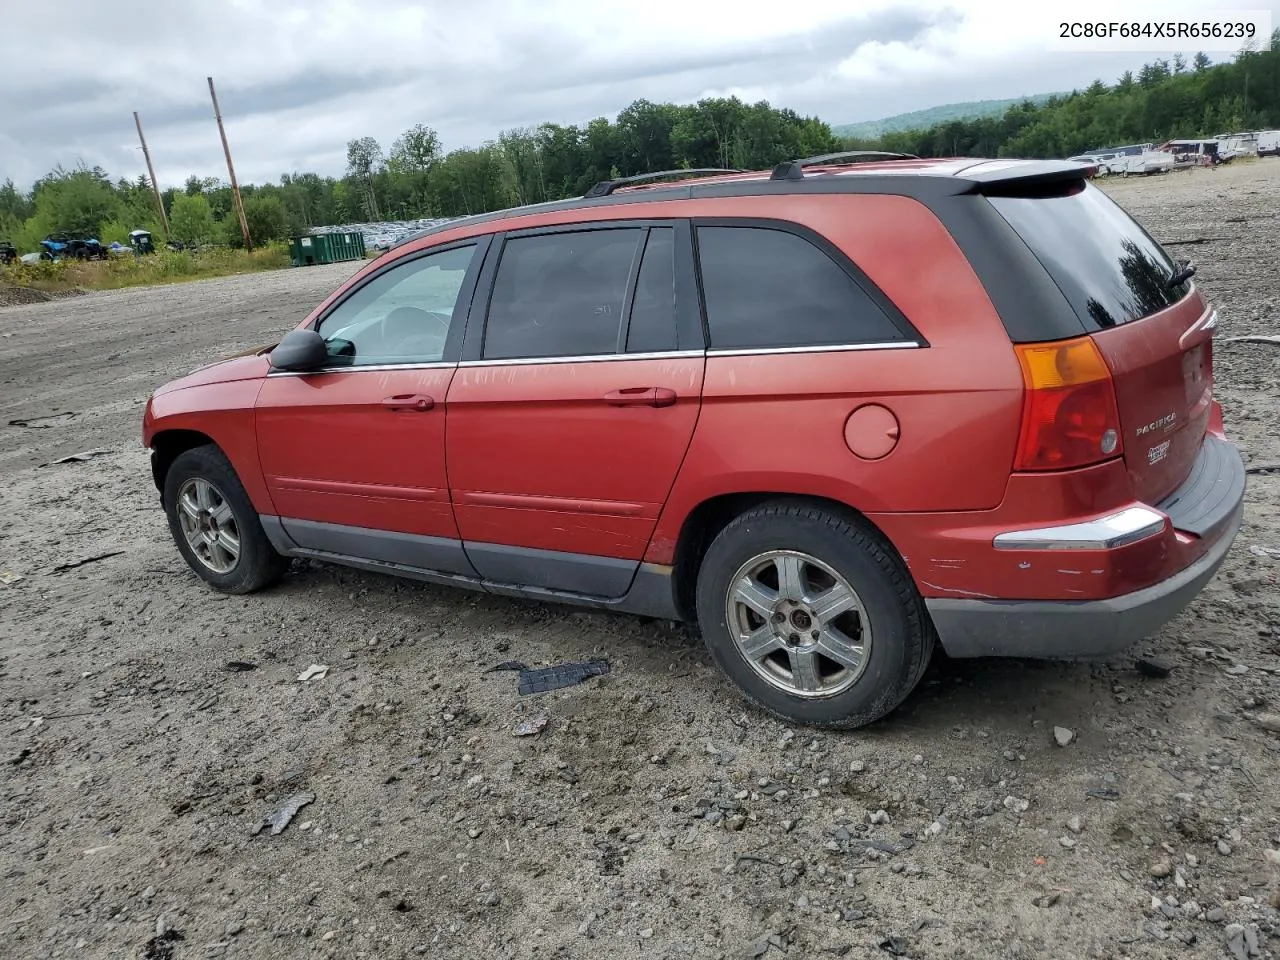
pixel 409 401
pixel 641 397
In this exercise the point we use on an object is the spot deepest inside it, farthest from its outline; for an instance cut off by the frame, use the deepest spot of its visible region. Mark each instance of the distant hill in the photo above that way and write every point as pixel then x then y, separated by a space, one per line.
pixel 924 119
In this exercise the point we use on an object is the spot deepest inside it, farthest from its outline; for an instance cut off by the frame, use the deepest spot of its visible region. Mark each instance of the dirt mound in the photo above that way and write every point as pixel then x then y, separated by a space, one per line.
pixel 12 296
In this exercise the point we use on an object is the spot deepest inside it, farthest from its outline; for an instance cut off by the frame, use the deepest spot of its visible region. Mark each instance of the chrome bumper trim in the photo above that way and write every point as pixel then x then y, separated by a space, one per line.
pixel 1105 533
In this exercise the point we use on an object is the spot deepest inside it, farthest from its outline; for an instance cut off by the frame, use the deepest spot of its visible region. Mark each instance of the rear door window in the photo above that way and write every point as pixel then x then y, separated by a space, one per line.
pixel 765 287
pixel 1106 265
pixel 560 294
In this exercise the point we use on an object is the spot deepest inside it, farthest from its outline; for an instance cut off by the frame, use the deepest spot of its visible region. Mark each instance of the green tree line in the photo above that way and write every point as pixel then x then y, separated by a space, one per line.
pixel 1167 99
pixel 414 178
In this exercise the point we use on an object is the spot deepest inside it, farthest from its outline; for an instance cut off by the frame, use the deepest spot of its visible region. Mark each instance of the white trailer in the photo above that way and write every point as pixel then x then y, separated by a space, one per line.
pixel 1233 145
pixel 1130 160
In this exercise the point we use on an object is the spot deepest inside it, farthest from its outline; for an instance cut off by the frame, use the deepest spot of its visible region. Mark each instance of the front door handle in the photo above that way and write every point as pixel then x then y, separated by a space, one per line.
pixel 641 397
pixel 409 401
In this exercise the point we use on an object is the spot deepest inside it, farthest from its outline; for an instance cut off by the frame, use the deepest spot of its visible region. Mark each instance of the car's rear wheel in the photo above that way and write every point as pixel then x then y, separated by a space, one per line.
pixel 812 615
pixel 215 526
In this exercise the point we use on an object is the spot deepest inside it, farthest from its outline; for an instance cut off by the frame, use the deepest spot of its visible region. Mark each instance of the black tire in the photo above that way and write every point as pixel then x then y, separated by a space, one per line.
pixel 257 565
pixel 902 636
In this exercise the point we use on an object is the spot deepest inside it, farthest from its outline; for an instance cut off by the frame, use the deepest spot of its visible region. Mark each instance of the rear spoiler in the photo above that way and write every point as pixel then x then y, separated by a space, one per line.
pixel 993 175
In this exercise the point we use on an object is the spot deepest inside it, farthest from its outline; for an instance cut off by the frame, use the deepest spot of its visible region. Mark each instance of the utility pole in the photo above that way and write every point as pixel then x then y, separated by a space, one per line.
pixel 235 187
pixel 164 219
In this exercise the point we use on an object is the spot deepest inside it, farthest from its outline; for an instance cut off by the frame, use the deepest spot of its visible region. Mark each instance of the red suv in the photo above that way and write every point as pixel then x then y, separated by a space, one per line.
pixel 828 412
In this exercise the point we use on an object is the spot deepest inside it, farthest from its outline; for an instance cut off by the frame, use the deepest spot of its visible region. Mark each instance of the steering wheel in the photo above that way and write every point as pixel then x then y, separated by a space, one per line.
pixel 407 331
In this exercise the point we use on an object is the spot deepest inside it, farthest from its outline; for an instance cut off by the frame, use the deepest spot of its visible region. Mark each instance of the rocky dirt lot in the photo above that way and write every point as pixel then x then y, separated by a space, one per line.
pixel 655 815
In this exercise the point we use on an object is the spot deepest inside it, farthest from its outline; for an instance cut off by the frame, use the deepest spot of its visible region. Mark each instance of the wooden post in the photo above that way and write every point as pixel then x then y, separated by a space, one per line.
pixel 151 171
pixel 235 187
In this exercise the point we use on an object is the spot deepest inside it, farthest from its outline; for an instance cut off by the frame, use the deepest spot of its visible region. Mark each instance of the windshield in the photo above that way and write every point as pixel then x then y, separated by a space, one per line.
pixel 1105 264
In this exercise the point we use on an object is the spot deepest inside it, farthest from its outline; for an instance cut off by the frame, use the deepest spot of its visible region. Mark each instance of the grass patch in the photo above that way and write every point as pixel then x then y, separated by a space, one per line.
pixel 163 266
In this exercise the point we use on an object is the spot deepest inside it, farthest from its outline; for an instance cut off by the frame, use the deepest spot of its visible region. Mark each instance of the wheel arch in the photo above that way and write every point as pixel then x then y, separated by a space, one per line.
pixel 168 445
pixel 705 521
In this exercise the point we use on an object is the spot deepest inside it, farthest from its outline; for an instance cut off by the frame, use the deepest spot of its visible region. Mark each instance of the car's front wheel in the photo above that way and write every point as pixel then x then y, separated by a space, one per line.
pixel 812 615
pixel 215 526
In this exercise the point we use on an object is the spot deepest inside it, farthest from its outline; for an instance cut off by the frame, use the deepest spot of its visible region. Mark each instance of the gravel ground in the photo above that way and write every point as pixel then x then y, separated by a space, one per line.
pixel 655 815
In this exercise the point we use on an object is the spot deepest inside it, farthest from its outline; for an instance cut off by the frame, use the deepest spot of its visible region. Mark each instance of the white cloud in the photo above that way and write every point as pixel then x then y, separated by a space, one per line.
pixel 298 78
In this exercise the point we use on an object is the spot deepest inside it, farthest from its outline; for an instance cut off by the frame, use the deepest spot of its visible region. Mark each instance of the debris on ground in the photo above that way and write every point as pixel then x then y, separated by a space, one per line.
pixel 542 679
pixel 1063 736
pixel 73 564
pixel 83 457
pixel 1155 667
pixel 1192 241
pixel 279 818
pixel 513 665
pixel 1242 941
pixel 8 576
pixel 1253 338
pixel 1103 793
pixel 160 947
pixel 317 671
pixel 894 945
pixel 241 666
pixel 531 726
pixel 36 423
pixel 1267 553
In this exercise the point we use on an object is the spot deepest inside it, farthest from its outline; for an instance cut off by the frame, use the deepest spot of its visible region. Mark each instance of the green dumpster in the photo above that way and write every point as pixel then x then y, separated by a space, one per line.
pixel 326 248
pixel 346 246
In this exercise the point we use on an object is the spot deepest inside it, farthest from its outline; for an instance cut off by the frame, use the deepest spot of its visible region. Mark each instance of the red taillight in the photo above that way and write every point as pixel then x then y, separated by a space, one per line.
pixel 1069 413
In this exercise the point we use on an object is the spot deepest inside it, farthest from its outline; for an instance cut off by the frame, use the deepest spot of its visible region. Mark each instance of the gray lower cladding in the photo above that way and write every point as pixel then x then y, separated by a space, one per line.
pixel 604 583
pixel 1212 489
pixel 1084 628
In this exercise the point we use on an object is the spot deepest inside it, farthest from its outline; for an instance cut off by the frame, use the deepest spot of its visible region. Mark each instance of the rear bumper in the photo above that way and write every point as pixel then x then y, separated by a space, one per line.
pixel 1206 511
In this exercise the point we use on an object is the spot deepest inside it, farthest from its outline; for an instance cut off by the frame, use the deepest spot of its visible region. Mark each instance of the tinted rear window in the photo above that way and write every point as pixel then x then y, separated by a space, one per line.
pixel 1107 266
pixel 769 288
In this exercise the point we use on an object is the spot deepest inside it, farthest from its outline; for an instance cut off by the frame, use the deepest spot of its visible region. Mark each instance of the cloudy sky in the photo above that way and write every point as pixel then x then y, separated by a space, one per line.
pixel 296 79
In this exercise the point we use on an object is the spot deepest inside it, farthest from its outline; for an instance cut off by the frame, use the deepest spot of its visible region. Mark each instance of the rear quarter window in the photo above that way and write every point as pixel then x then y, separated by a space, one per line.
pixel 1107 266
pixel 769 288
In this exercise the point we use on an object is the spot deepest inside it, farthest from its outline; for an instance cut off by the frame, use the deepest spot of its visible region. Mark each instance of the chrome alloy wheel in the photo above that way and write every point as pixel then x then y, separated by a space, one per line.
pixel 798 623
pixel 209 525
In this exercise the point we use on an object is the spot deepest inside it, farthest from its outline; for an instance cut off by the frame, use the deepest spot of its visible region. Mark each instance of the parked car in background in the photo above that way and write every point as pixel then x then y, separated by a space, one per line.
pixel 831 413
pixel 1269 143
pixel 8 253
pixel 64 246
pixel 141 242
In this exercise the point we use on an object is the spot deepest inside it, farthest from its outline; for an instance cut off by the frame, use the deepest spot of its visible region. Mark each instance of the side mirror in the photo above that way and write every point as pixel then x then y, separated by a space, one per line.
pixel 300 350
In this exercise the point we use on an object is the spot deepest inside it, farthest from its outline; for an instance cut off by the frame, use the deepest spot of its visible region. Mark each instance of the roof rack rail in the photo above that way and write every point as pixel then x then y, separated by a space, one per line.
pixel 606 187
pixel 794 169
